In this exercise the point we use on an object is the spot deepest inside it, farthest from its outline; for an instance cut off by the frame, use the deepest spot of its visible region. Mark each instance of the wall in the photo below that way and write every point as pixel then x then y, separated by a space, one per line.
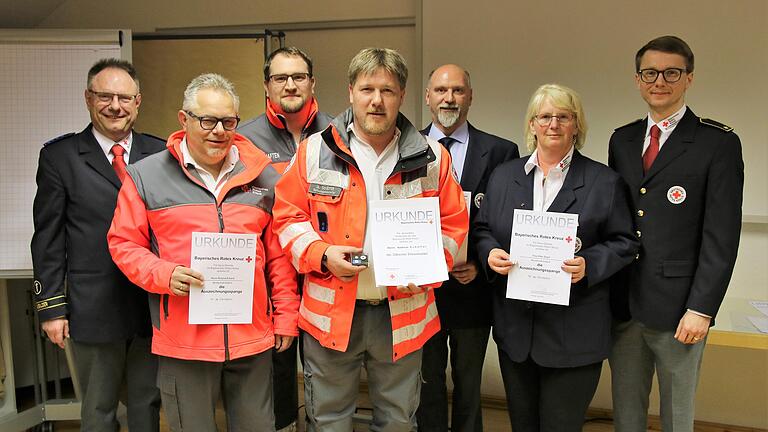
pixel 511 48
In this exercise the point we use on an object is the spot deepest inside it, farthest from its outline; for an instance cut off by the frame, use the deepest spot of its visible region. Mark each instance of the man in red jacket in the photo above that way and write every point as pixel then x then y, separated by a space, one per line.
pixel 211 180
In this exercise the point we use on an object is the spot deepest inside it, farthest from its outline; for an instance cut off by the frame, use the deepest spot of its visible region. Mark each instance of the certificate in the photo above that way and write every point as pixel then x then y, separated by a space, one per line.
pixel 227 262
pixel 540 242
pixel 407 242
pixel 461 258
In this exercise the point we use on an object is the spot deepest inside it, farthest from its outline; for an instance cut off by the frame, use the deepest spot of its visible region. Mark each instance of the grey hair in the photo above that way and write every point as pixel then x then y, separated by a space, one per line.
pixel 209 81
pixel 368 60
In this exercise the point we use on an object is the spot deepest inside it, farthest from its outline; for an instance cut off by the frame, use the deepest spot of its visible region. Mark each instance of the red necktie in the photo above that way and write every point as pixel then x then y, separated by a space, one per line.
pixel 653 149
pixel 118 163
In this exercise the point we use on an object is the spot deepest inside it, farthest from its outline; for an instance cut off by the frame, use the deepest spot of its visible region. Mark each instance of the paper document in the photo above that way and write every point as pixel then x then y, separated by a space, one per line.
pixel 540 242
pixel 407 242
pixel 227 262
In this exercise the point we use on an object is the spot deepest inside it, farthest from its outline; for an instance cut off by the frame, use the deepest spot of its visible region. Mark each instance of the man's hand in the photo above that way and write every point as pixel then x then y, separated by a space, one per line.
pixel 498 261
pixel 411 288
pixel 57 330
pixel 692 328
pixel 577 267
pixel 465 273
pixel 282 343
pixel 337 264
pixel 181 278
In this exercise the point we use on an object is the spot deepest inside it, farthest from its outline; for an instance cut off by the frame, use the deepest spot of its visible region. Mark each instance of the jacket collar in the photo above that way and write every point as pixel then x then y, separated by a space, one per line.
pixel 276 116
pixel 411 146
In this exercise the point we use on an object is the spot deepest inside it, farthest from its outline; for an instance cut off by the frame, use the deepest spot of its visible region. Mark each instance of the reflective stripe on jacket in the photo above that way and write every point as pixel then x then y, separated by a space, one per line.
pixel 159 206
pixel 325 183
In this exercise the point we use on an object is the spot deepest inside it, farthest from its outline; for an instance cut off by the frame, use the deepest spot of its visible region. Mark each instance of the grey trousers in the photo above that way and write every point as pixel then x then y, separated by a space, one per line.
pixel 110 372
pixel 639 351
pixel 332 378
pixel 191 388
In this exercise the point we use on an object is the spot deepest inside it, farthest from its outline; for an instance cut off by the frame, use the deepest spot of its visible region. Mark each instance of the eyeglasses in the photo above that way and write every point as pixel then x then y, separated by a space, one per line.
pixel 546 119
pixel 106 97
pixel 298 78
pixel 671 75
pixel 210 123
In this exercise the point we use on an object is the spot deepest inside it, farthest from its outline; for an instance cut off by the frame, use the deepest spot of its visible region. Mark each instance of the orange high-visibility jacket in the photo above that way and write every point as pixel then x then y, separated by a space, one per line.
pixel 321 201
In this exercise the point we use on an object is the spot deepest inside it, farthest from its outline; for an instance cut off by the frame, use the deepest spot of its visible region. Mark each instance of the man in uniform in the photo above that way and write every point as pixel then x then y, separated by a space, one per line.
pixel 369 152
pixel 464 301
pixel 211 180
pixel 291 116
pixel 292 112
pixel 686 177
pixel 80 294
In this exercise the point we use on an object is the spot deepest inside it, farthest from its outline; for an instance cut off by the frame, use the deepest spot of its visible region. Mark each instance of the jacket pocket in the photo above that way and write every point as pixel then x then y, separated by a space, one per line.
pixel 678 268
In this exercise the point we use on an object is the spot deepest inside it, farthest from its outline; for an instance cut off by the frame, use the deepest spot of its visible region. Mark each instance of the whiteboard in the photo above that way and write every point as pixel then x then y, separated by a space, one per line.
pixel 42 87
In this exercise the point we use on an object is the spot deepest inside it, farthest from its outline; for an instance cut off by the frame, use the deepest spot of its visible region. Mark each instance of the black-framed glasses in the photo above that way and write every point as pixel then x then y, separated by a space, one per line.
pixel 546 119
pixel 671 75
pixel 210 123
pixel 298 78
pixel 106 97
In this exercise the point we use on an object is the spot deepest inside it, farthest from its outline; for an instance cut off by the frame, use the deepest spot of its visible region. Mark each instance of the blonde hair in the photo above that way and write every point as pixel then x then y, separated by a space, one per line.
pixel 368 60
pixel 561 97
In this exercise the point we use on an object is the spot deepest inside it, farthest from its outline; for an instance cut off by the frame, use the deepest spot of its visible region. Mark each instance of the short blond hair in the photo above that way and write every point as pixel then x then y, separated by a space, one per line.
pixel 369 60
pixel 561 97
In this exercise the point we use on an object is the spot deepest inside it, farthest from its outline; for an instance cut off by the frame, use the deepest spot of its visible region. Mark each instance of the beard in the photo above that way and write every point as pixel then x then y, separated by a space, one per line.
pixel 292 106
pixel 375 128
pixel 448 118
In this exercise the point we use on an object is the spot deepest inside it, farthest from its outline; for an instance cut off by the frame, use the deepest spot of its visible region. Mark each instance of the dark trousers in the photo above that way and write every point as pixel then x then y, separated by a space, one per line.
pixel 286 386
pixel 547 399
pixel 467 354
pixel 191 388
pixel 110 372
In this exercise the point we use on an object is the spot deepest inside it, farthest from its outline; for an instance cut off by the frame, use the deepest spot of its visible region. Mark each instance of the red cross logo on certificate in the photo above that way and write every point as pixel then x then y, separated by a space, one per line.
pixel 248 259
pixel 568 239
pixel 391 275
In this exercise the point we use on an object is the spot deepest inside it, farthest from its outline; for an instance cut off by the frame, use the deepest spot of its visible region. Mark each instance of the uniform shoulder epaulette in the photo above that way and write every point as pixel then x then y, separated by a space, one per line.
pixel 153 136
pixel 716 124
pixel 59 138
pixel 632 123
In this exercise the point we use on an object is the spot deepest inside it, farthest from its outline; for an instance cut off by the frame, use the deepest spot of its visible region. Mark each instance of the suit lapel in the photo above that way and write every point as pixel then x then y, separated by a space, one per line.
pixel 139 148
pixel 573 181
pixel 636 154
pixel 474 161
pixel 677 144
pixel 523 190
pixel 93 156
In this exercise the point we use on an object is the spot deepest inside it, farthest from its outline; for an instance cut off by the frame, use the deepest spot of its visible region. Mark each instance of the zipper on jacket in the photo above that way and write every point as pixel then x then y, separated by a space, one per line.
pixel 221 218
pixel 165 306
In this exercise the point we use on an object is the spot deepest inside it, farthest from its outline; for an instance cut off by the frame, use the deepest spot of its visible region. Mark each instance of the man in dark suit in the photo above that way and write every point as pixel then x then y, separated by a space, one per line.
pixel 464 301
pixel 686 177
pixel 81 297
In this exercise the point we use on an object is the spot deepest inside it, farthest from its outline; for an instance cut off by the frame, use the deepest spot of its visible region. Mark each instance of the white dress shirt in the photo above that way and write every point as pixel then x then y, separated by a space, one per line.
pixel 666 125
pixel 107 143
pixel 375 170
pixel 458 148
pixel 212 184
pixel 545 189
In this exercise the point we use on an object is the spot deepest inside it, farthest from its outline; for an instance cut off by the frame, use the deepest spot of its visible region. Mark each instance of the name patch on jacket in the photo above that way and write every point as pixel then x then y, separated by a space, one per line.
pixel 323 189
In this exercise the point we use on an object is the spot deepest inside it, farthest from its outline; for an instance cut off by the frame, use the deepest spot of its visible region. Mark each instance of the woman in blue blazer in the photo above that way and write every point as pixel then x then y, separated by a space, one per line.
pixel 551 355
